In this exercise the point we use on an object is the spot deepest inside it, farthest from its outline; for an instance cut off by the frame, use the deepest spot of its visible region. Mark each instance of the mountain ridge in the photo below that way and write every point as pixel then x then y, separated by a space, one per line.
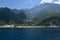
pixel 40 7
pixel 49 9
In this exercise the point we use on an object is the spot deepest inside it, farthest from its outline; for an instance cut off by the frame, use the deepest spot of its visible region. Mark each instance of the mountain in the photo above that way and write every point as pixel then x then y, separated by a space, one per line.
pixel 46 9
pixel 41 7
pixel 37 13
pixel 36 9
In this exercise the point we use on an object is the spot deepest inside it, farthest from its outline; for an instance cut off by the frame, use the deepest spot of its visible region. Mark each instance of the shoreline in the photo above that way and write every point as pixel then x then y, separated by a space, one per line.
pixel 12 26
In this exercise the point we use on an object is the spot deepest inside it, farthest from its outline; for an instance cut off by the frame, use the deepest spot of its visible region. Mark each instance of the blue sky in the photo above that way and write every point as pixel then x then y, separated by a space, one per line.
pixel 19 4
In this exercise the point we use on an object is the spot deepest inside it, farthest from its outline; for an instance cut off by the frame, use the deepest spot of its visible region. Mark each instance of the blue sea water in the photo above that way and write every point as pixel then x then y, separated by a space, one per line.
pixel 29 33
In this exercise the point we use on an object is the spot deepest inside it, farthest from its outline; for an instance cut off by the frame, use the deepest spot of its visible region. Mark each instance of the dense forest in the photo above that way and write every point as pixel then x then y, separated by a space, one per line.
pixel 13 16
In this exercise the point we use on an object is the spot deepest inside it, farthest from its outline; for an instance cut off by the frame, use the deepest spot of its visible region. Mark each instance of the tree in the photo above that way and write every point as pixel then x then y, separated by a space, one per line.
pixel 6 14
pixel 21 17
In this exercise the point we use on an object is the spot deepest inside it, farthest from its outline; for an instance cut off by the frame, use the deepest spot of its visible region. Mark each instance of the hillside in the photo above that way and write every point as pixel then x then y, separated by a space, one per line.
pixel 33 16
pixel 50 10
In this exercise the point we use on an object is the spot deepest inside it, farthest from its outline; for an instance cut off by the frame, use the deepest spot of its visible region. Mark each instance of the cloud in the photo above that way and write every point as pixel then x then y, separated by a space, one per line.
pixel 26 1
pixel 46 1
pixel 57 2
pixel 29 1
pixel 50 1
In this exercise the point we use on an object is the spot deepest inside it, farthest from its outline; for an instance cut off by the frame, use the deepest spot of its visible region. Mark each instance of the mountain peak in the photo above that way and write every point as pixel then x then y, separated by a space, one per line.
pixel 50 1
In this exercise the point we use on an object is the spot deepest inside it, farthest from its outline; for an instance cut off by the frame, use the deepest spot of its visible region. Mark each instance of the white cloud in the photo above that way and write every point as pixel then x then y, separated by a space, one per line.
pixel 29 1
pixel 46 1
pixel 50 1
pixel 26 1
pixel 57 2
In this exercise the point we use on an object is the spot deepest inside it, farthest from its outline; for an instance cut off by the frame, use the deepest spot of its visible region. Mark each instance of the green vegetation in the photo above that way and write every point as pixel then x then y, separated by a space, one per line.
pixel 24 18
pixel 13 16
pixel 47 17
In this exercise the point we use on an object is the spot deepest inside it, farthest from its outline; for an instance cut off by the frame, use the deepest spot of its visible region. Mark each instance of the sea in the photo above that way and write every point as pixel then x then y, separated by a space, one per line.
pixel 29 33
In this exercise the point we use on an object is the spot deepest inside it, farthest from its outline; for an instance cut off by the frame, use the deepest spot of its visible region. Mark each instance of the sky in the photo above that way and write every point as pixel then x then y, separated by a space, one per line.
pixel 23 4
pixel 19 4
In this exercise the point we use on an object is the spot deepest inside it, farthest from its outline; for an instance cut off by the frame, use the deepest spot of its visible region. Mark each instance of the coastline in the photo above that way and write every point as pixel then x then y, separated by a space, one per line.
pixel 12 26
